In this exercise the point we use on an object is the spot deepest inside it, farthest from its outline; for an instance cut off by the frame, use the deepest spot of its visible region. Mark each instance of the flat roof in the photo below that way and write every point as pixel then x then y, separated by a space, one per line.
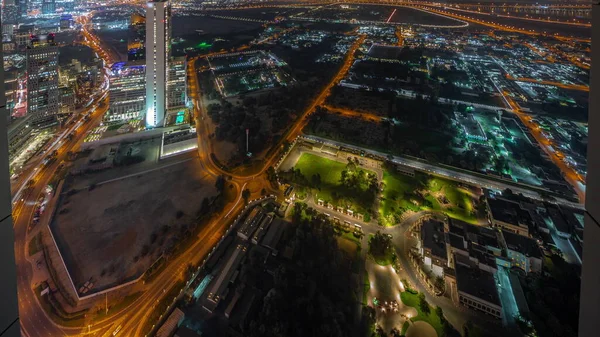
pixel 251 223
pixel 432 235
pixel 481 235
pixel 508 211
pixel 262 229
pixel 274 234
pixel 522 244
pixel 384 52
pixel 477 283
pixel 220 283
pixel 558 220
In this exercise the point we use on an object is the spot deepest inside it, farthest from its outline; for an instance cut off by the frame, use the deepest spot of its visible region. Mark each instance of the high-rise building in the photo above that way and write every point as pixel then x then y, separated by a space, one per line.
pixel 48 7
pixel 127 91
pixel 23 7
pixel 158 41
pixel 42 81
pixel 9 314
pixel 9 12
pixel 176 84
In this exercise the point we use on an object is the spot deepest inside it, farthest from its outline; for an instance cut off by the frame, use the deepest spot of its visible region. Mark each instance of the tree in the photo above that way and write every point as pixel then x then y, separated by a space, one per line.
pixel 246 195
pixel 220 183
pixel 440 283
pixel 440 313
pixel 423 304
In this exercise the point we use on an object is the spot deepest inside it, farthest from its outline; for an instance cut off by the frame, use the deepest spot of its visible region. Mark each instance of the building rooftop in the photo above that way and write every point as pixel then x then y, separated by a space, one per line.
pixel 384 52
pixel 273 235
pixel 432 235
pixel 251 223
pixel 521 244
pixel 559 222
pixel 481 235
pixel 508 211
pixel 477 283
pixel 220 283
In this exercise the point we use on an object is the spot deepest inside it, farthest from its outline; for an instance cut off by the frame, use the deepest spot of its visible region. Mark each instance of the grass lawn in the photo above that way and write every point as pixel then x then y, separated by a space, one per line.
pixel 400 195
pixel 331 189
pixel 412 300
pixel 351 237
pixel 348 246
pixel 396 186
pixel 404 328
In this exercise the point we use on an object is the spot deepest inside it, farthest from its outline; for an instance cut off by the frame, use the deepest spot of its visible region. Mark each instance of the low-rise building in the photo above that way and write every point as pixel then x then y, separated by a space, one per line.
pixel 250 224
pixel 476 289
pixel 523 252
pixel 433 246
pixel 508 215
pixel 219 287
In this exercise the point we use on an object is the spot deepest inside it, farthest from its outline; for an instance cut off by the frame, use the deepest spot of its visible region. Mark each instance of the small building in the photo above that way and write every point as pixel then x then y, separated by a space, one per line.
pixel 476 289
pixel 219 287
pixel 433 246
pixel 262 229
pixel 508 215
pixel 523 252
pixel 273 235
pixel 250 224
pixel 172 322
pixel 563 229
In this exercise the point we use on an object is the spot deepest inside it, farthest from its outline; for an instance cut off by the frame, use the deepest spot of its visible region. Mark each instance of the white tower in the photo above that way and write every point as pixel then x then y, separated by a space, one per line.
pixel 158 41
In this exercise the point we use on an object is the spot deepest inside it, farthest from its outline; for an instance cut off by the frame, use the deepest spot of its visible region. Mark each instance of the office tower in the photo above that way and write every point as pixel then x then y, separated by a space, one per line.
pixel 127 91
pixel 9 12
pixel 9 315
pixel 48 7
pixel 23 6
pixel 42 81
pixel 176 85
pixel 158 36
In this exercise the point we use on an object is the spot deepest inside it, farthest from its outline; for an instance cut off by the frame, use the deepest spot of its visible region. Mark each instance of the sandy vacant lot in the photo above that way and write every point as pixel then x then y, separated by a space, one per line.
pixel 106 234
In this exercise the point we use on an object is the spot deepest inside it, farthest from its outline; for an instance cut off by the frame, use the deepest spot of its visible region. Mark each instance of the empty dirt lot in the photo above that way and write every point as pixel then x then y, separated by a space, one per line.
pixel 112 233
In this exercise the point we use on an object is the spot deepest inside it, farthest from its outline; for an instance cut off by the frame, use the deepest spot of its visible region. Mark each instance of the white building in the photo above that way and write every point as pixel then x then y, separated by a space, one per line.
pixel 158 41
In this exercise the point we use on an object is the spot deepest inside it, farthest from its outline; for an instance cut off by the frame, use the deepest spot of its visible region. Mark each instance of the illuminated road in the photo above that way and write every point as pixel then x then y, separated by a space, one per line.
pixel 555 155
pixel 491 24
pixel 354 114
pixel 556 84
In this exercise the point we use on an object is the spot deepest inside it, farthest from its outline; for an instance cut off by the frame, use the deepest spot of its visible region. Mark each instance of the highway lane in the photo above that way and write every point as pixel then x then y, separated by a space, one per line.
pixel 34 320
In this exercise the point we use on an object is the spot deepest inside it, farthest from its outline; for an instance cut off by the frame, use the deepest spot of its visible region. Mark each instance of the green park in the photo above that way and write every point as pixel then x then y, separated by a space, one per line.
pixel 334 182
pixel 393 199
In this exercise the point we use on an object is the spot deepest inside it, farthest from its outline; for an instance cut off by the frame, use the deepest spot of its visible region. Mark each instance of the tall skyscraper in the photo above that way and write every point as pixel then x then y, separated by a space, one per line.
pixel 42 81
pixel 48 7
pixel 127 91
pixel 176 84
pixel 158 45
pixel 9 315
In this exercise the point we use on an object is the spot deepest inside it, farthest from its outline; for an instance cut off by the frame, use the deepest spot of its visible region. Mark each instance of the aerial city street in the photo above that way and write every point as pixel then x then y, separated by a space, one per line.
pixel 297 168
